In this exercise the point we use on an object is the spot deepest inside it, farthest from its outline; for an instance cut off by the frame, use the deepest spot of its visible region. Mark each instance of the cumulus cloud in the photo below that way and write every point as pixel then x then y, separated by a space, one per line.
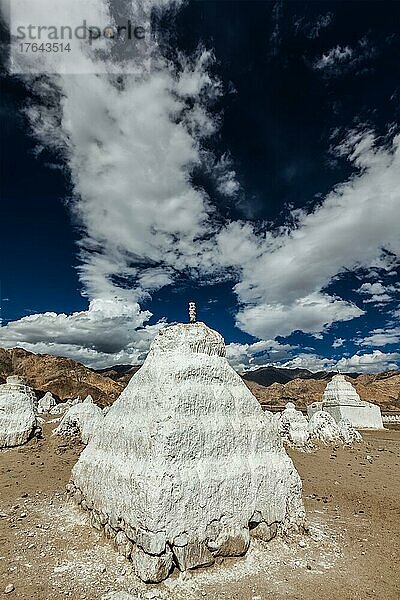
pixel 109 332
pixel 243 357
pixel 377 293
pixel 375 362
pixel 338 342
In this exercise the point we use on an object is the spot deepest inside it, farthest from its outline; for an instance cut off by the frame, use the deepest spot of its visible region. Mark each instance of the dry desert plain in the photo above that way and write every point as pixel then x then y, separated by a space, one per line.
pixel 352 498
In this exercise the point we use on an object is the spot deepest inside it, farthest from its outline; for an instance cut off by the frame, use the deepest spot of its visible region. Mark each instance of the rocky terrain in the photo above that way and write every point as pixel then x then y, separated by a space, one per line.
pixel 272 386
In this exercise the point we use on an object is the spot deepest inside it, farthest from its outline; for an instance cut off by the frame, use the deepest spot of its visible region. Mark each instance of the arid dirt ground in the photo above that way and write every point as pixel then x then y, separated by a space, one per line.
pixel 352 497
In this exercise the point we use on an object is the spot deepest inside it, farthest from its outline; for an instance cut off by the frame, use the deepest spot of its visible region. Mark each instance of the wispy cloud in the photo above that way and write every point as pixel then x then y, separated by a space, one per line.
pixel 283 273
pixel 336 56
pixel 312 29
pixel 344 59
pixel 248 356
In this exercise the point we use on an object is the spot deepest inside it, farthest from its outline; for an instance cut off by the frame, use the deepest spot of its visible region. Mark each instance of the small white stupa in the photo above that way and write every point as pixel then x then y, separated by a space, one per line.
pixel 342 401
pixel 294 426
pixel 18 405
pixel 323 427
pixel 348 433
pixel 46 403
pixel 81 419
pixel 185 465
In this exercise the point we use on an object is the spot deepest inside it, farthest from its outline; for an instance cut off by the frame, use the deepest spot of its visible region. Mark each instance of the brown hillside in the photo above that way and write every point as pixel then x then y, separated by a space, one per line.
pixel 61 376
pixel 381 388
pixel 67 378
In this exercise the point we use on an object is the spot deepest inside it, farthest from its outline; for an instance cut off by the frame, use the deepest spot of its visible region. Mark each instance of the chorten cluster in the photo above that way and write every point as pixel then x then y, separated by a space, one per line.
pixel 185 466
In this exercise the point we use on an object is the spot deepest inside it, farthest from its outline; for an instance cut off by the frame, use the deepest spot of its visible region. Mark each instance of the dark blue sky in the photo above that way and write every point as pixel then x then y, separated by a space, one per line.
pixel 278 114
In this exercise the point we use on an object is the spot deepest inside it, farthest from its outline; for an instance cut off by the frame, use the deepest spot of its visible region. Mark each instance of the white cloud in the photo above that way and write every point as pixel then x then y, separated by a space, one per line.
pixel 245 356
pixel 380 337
pixel 130 145
pixel 375 362
pixel 335 56
pixel 371 288
pixel 312 362
pixel 338 342
pixel 310 314
pixel 282 273
pixel 378 299
pixel 343 59
pixel 109 332
pixel 377 293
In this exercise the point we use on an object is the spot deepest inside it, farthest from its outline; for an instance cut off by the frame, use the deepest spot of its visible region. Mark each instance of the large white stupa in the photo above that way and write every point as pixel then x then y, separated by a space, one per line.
pixel 185 465
pixel 342 401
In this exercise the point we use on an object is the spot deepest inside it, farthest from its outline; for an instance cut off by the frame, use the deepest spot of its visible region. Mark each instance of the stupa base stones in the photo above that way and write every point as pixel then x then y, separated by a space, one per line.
pixel 81 419
pixel 342 401
pixel 18 406
pixel 186 466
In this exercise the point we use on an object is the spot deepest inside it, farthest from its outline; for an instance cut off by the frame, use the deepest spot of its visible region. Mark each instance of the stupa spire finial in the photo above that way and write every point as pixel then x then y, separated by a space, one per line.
pixel 192 312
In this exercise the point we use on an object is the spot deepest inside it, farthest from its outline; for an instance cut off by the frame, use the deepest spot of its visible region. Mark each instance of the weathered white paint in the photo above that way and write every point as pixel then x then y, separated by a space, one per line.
pixel 322 427
pixel 186 460
pixel 62 407
pixel 348 433
pixel 313 408
pixel 342 401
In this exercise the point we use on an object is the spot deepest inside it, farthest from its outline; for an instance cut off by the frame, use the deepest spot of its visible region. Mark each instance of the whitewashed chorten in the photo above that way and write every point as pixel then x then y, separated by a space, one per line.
pixel 185 466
